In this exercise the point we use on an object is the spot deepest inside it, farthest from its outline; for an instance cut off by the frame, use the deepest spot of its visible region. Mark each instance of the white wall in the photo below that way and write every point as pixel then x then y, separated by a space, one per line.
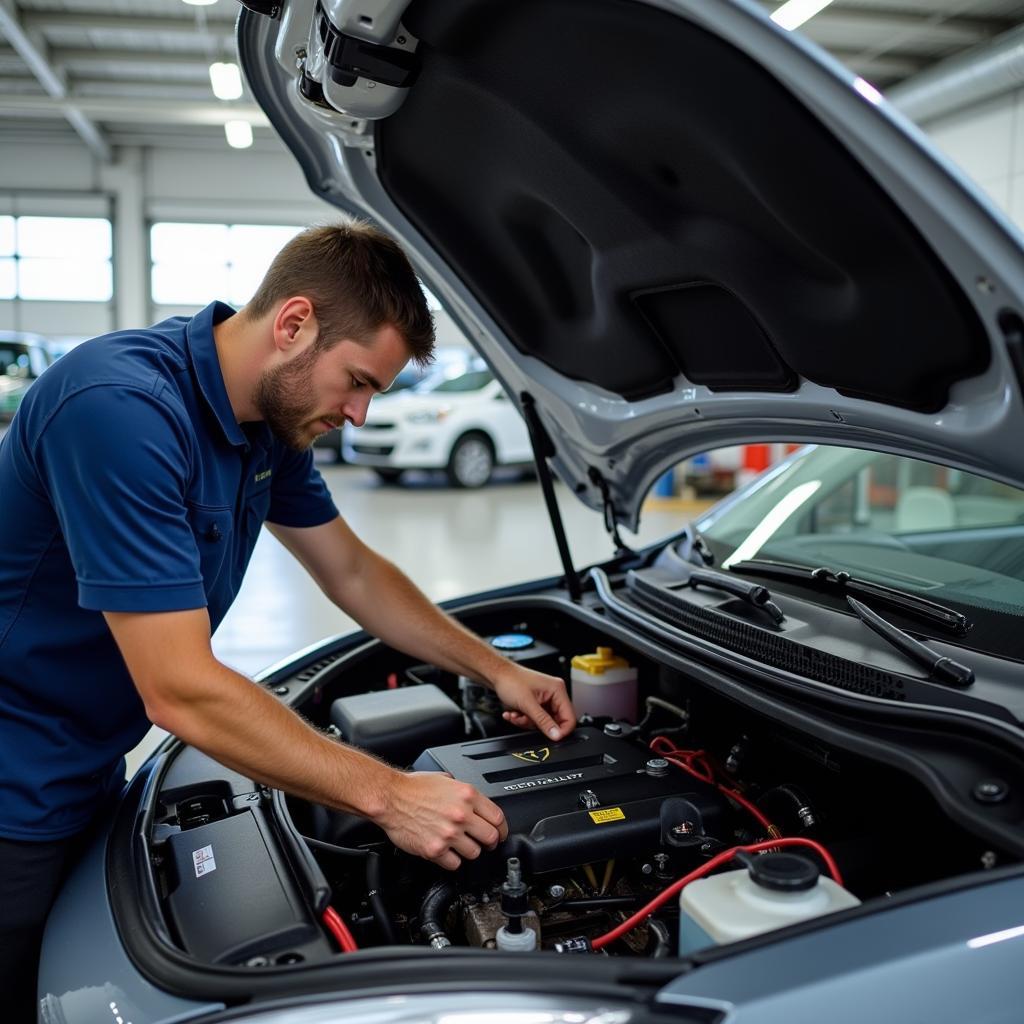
pixel 987 141
pixel 144 185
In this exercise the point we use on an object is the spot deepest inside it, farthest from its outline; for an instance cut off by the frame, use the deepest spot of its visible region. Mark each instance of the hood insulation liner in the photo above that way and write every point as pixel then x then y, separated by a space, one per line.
pixel 631 199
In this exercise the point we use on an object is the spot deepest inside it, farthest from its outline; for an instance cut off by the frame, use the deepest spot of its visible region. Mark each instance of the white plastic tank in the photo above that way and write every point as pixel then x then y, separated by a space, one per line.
pixel 604 684
pixel 774 890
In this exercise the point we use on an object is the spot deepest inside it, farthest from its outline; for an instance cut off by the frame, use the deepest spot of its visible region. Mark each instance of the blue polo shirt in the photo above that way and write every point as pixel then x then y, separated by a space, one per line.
pixel 125 485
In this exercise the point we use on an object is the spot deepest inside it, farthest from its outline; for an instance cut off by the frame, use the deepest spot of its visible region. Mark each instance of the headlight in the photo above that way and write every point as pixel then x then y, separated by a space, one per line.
pixel 428 415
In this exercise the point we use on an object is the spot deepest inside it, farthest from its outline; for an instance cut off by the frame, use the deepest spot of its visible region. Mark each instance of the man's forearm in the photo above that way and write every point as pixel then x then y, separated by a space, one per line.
pixel 385 602
pixel 239 724
pixel 187 691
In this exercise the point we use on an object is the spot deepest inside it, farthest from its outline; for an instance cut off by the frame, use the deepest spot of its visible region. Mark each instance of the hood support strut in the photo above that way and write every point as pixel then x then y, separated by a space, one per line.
pixel 542 446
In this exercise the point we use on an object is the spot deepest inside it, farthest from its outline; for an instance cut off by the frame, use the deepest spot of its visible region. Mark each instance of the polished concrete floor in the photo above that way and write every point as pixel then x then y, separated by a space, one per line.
pixel 449 542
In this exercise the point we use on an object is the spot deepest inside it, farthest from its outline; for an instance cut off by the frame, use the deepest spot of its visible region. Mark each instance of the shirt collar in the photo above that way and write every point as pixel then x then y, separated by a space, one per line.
pixel 203 352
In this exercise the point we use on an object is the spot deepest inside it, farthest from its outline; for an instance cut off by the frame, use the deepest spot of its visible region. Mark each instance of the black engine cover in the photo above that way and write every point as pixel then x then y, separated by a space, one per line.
pixel 588 797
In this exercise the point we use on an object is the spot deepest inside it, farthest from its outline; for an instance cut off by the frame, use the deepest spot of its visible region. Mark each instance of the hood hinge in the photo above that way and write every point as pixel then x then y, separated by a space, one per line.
pixel 543 448
pixel 610 525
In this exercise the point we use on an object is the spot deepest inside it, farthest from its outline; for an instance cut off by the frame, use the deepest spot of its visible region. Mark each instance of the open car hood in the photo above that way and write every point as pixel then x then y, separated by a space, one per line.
pixel 673 225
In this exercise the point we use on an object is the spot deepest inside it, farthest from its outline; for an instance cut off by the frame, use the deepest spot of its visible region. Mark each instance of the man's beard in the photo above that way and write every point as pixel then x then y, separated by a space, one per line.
pixel 282 399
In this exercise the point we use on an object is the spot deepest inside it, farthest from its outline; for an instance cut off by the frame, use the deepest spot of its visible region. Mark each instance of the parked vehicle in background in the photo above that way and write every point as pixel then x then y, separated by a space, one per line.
pixel 461 423
pixel 23 358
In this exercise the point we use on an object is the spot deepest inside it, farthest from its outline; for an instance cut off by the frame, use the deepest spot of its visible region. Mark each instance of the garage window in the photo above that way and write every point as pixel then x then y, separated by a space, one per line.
pixel 193 264
pixel 56 259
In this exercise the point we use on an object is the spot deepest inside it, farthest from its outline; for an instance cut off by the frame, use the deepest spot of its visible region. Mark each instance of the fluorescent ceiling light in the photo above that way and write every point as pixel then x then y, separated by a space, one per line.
pixel 868 91
pixel 794 13
pixel 200 3
pixel 238 134
pixel 987 940
pixel 226 80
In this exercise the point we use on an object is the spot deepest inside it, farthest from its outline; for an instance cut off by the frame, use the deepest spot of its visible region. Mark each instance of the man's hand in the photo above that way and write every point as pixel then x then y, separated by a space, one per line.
pixel 431 815
pixel 535 699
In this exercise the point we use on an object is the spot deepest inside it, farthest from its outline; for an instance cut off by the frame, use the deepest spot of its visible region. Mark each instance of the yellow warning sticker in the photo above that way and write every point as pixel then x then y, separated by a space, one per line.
pixel 607 814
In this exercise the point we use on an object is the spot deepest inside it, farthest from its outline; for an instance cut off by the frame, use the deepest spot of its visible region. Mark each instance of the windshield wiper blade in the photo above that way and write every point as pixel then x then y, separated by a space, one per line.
pixel 753 593
pixel 940 666
pixel 909 604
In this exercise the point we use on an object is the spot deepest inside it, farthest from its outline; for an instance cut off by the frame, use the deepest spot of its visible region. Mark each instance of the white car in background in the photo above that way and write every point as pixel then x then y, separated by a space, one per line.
pixel 463 424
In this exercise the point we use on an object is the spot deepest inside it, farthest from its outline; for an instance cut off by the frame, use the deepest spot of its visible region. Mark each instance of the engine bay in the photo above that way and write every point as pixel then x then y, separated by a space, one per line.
pixel 607 827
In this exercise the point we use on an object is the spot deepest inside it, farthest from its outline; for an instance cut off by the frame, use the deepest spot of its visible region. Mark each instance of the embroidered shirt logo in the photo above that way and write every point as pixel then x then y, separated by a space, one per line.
pixel 263 476
pixel 541 754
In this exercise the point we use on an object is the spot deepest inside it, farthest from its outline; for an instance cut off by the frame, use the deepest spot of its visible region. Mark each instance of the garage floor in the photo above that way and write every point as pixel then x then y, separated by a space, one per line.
pixel 449 542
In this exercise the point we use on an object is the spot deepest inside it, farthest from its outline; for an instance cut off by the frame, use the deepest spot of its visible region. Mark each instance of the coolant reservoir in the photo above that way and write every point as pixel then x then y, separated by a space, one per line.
pixel 776 889
pixel 604 684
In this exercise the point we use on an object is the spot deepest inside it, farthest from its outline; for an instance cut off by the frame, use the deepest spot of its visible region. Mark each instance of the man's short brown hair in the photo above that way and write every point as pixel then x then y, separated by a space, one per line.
pixel 357 278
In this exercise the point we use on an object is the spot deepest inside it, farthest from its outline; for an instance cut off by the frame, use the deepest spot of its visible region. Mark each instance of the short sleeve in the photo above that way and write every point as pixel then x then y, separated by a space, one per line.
pixel 116 460
pixel 299 496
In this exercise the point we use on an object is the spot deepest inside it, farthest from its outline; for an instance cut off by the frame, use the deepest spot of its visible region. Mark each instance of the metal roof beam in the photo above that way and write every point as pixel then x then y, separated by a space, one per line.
pixel 887 20
pixel 218 28
pixel 890 66
pixel 33 51
pixel 872 18
pixel 107 56
pixel 135 110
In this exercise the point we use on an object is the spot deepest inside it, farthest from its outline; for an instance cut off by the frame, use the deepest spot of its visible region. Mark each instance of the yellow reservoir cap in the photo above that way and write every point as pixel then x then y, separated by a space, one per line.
pixel 599 663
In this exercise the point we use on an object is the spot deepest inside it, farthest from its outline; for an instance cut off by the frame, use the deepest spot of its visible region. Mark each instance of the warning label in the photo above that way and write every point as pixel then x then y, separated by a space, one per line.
pixel 607 814
pixel 204 861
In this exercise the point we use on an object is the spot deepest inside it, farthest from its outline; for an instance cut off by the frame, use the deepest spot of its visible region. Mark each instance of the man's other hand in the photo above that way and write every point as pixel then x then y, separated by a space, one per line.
pixel 432 815
pixel 536 699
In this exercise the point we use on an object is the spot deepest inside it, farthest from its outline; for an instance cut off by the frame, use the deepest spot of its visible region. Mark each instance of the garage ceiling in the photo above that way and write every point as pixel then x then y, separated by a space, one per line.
pixel 135 72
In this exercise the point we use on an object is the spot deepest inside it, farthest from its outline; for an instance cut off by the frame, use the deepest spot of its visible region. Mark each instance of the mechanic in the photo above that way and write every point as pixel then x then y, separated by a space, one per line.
pixel 135 478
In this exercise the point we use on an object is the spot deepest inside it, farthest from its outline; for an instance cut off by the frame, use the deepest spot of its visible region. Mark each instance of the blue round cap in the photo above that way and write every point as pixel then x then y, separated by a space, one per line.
pixel 512 641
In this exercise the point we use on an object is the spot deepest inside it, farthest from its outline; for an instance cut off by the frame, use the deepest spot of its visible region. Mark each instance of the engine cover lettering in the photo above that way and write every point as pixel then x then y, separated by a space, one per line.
pixel 552 781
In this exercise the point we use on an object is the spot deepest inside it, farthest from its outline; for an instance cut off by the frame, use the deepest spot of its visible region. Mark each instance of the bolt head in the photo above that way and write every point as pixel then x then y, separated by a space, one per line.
pixel 991 791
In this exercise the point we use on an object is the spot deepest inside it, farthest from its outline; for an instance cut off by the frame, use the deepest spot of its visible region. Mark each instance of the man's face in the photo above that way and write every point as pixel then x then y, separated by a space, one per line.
pixel 316 391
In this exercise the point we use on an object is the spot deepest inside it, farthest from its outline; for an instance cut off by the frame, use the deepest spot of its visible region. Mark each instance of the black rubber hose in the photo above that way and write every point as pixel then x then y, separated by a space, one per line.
pixel 434 910
pixel 798 801
pixel 662 940
pixel 344 851
pixel 376 900
pixel 377 904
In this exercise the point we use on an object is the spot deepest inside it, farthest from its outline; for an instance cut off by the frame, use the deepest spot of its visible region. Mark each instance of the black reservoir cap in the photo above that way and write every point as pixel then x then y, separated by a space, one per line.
pixel 782 872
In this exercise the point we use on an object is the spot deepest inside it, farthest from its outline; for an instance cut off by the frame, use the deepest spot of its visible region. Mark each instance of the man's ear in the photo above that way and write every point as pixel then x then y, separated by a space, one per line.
pixel 294 323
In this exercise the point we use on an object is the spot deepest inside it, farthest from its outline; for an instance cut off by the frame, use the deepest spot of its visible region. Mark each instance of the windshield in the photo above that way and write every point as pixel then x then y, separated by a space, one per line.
pixel 472 381
pixel 949 535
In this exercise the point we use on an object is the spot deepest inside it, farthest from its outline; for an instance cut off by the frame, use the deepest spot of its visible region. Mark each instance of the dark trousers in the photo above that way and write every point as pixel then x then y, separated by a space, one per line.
pixel 30 875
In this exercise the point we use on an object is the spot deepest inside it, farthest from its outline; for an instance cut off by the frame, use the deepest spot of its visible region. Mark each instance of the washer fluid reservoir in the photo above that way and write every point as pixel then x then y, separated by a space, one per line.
pixel 604 684
pixel 774 890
